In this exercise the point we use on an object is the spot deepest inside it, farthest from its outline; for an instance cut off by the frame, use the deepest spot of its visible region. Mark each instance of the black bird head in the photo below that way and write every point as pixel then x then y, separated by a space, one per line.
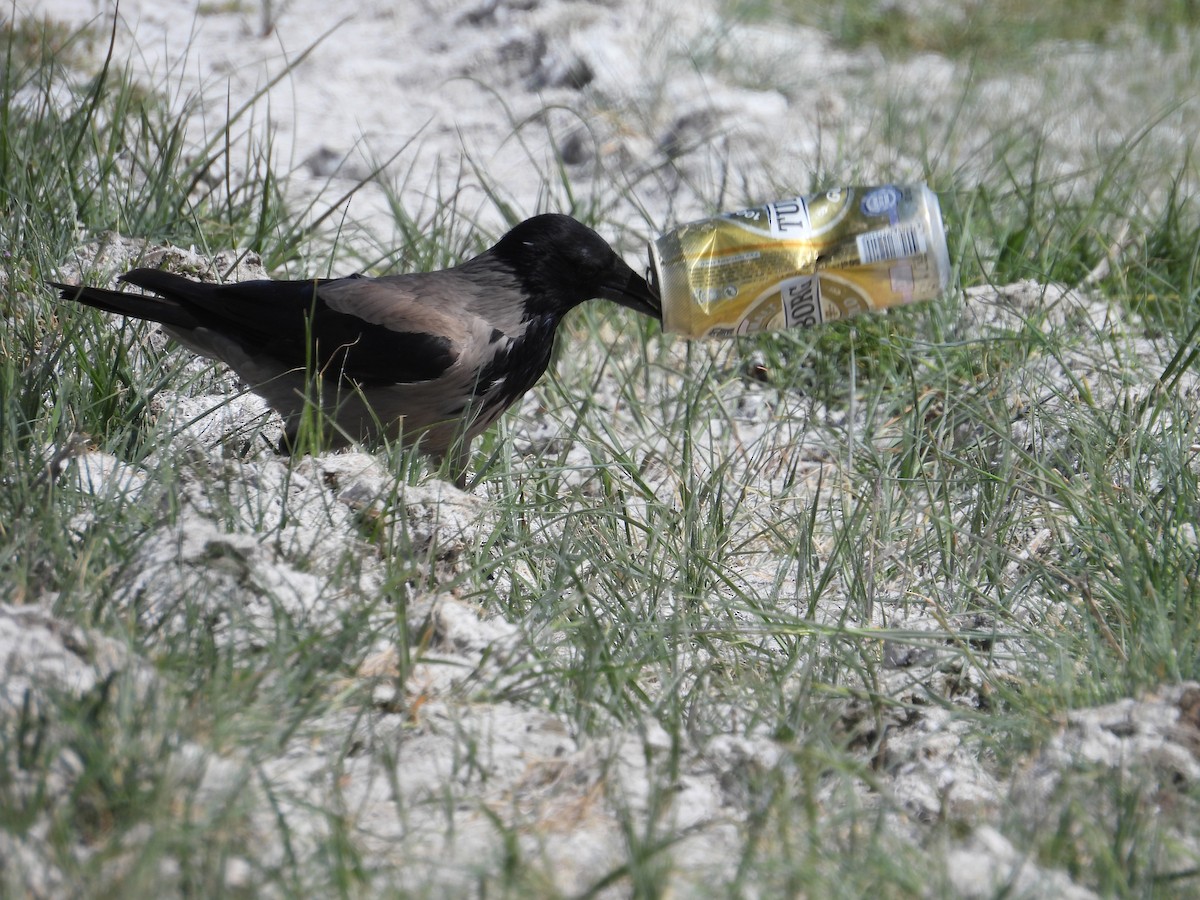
pixel 563 263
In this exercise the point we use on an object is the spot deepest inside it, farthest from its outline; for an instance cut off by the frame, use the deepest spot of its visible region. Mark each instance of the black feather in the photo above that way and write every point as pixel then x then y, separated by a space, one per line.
pixel 279 319
pixel 519 366
pixel 140 306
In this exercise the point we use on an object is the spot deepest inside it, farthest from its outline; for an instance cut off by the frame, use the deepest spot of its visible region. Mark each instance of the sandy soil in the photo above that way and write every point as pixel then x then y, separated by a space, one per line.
pixel 661 112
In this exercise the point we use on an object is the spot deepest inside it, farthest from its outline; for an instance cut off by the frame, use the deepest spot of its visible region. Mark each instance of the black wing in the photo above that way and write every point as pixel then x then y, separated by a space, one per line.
pixel 286 320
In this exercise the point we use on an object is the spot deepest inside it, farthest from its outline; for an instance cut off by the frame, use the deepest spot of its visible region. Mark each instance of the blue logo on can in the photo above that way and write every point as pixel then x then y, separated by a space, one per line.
pixel 881 200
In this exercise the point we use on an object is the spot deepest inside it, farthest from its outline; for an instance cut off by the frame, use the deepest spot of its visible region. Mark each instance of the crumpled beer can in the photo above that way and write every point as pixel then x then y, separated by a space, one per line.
pixel 799 262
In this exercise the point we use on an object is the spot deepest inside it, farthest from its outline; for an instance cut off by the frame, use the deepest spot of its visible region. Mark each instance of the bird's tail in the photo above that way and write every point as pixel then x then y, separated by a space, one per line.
pixel 173 307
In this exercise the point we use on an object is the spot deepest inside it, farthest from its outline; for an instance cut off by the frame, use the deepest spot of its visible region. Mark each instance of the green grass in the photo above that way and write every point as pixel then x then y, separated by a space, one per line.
pixel 992 33
pixel 693 554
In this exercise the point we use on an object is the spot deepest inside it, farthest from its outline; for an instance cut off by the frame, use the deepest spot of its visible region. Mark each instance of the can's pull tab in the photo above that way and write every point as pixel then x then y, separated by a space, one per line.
pixel 652 278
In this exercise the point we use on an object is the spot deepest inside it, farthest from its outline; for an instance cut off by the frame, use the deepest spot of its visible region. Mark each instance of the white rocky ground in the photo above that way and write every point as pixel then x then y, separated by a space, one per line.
pixel 662 111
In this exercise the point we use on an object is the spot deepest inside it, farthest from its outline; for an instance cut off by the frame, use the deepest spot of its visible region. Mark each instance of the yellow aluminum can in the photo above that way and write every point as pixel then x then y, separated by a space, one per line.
pixel 799 262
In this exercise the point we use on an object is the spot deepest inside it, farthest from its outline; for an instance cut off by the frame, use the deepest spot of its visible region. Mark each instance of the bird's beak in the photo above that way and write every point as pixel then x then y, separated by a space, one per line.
pixel 634 293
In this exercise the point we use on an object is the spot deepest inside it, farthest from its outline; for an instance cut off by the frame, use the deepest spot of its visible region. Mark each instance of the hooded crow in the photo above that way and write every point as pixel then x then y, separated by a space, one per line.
pixel 431 358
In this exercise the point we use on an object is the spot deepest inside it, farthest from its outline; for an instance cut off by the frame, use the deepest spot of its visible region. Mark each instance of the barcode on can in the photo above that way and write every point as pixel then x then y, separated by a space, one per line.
pixel 891 243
